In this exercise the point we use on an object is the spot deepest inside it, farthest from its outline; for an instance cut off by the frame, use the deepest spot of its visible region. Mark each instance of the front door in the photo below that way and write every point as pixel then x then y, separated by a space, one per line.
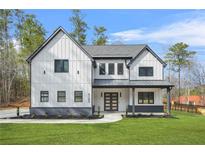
pixel 111 101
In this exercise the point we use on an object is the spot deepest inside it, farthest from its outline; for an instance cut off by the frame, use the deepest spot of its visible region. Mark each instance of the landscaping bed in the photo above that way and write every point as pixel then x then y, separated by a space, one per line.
pixel 28 116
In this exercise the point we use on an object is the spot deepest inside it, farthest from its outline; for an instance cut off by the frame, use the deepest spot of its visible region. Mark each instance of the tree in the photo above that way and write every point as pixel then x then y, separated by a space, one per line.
pixel 198 79
pixel 100 37
pixel 79 27
pixel 31 35
pixel 179 57
pixel 16 26
pixel 8 58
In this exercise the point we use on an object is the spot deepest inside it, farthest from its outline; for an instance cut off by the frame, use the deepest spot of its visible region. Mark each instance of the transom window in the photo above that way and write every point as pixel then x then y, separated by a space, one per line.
pixel 120 69
pixel 145 71
pixel 145 97
pixel 61 96
pixel 111 67
pixel 102 68
pixel 61 65
pixel 44 96
pixel 78 96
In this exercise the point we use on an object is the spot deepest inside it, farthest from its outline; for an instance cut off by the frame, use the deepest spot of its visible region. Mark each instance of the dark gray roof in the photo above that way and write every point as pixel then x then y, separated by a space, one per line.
pixel 133 83
pixel 114 50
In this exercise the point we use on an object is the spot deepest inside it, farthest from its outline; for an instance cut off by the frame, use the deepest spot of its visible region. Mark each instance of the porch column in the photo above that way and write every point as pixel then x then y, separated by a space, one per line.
pixel 133 101
pixel 168 101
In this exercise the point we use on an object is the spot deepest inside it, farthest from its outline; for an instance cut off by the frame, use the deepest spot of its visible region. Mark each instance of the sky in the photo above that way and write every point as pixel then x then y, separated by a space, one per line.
pixel 158 28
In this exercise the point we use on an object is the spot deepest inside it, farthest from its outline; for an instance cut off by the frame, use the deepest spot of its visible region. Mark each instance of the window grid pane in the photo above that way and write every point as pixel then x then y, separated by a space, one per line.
pixel 111 68
pixel 44 96
pixel 61 65
pixel 102 68
pixel 145 71
pixel 145 97
pixel 61 96
pixel 78 96
pixel 120 68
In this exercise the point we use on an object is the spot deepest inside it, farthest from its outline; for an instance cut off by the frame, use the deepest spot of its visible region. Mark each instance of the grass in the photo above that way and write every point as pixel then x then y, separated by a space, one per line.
pixel 185 128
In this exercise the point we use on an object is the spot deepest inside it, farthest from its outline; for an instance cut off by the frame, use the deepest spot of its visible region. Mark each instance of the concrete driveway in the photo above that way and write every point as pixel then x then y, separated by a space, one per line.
pixel 108 118
pixel 7 113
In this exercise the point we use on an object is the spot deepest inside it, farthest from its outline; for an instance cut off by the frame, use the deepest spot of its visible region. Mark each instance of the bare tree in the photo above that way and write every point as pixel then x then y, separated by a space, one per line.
pixel 198 79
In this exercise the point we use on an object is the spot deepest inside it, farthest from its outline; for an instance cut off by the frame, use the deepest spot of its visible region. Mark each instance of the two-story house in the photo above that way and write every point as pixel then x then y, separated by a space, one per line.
pixel 67 78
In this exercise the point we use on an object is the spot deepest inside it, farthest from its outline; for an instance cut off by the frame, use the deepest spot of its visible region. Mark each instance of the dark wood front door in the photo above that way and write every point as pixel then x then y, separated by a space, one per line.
pixel 111 101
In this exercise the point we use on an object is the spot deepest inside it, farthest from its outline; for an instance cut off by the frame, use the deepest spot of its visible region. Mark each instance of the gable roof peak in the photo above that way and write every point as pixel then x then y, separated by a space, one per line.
pixel 60 28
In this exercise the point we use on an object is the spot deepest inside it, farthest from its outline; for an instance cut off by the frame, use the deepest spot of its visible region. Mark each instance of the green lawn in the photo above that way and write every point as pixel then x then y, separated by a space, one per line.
pixel 185 128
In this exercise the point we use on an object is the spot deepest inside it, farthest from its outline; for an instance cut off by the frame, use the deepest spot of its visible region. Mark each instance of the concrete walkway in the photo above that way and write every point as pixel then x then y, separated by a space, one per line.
pixel 108 118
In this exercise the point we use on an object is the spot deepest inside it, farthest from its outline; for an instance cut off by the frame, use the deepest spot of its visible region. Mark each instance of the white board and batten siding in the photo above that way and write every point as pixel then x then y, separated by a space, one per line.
pixel 61 47
pixel 157 96
pixel 146 59
pixel 115 75
pixel 126 97
pixel 123 100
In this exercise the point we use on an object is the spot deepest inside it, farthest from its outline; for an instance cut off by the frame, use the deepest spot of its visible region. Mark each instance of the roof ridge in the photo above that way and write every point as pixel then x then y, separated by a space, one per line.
pixel 116 45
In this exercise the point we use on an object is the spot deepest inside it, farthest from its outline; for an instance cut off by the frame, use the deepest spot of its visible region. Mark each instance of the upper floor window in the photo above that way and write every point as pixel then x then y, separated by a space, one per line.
pixel 102 68
pixel 145 71
pixel 145 97
pixel 61 65
pixel 120 69
pixel 61 96
pixel 111 67
pixel 44 96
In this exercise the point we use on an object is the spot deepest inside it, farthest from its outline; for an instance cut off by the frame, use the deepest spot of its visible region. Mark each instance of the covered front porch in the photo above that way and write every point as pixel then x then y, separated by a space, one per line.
pixel 130 96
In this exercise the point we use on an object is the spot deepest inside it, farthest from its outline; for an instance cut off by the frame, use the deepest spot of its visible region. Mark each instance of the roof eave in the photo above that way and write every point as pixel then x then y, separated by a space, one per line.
pixel 29 59
pixel 152 52
pixel 136 86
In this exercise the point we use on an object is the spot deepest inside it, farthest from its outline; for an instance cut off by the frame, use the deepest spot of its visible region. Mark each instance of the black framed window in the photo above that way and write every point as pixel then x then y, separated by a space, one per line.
pixel 78 96
pixel 61 96
pixel 61 65
pixel 102 68
pixel 120 70
pixel 145 97
pixel 44 96
pixel 111 67
pixel 145 71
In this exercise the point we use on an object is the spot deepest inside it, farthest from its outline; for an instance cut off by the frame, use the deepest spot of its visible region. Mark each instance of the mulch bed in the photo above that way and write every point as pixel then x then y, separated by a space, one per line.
pixel 28 116
pixel 147 116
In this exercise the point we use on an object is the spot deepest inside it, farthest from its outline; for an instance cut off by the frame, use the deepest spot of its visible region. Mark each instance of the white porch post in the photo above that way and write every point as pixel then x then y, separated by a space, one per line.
pixel 168 101
pixel 133 101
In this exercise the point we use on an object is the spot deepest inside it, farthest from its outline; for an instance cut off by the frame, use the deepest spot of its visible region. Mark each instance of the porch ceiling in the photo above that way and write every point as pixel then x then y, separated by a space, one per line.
pixel 113 83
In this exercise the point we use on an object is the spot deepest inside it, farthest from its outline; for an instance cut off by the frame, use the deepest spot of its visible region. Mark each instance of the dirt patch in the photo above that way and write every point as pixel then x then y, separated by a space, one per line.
pixel 22 103
pixel 201 110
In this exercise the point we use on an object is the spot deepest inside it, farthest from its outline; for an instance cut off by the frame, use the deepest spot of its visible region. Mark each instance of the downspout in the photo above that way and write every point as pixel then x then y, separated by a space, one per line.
pixel 30 84
pixel 92 91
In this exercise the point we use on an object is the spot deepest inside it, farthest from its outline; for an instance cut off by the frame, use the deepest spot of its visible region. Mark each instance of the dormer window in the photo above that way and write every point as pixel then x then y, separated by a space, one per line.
pixel 102 68
pixel 120 68
pixel 111 67
pixel 145 71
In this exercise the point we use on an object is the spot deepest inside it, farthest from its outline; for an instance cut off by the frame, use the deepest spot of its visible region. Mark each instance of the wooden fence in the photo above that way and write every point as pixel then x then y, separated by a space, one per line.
pixel 184 107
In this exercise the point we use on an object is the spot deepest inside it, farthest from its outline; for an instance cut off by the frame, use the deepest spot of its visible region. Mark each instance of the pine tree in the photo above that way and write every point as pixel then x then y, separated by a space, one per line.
pixel 100 37
pixel 79 27
pixel 179 57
